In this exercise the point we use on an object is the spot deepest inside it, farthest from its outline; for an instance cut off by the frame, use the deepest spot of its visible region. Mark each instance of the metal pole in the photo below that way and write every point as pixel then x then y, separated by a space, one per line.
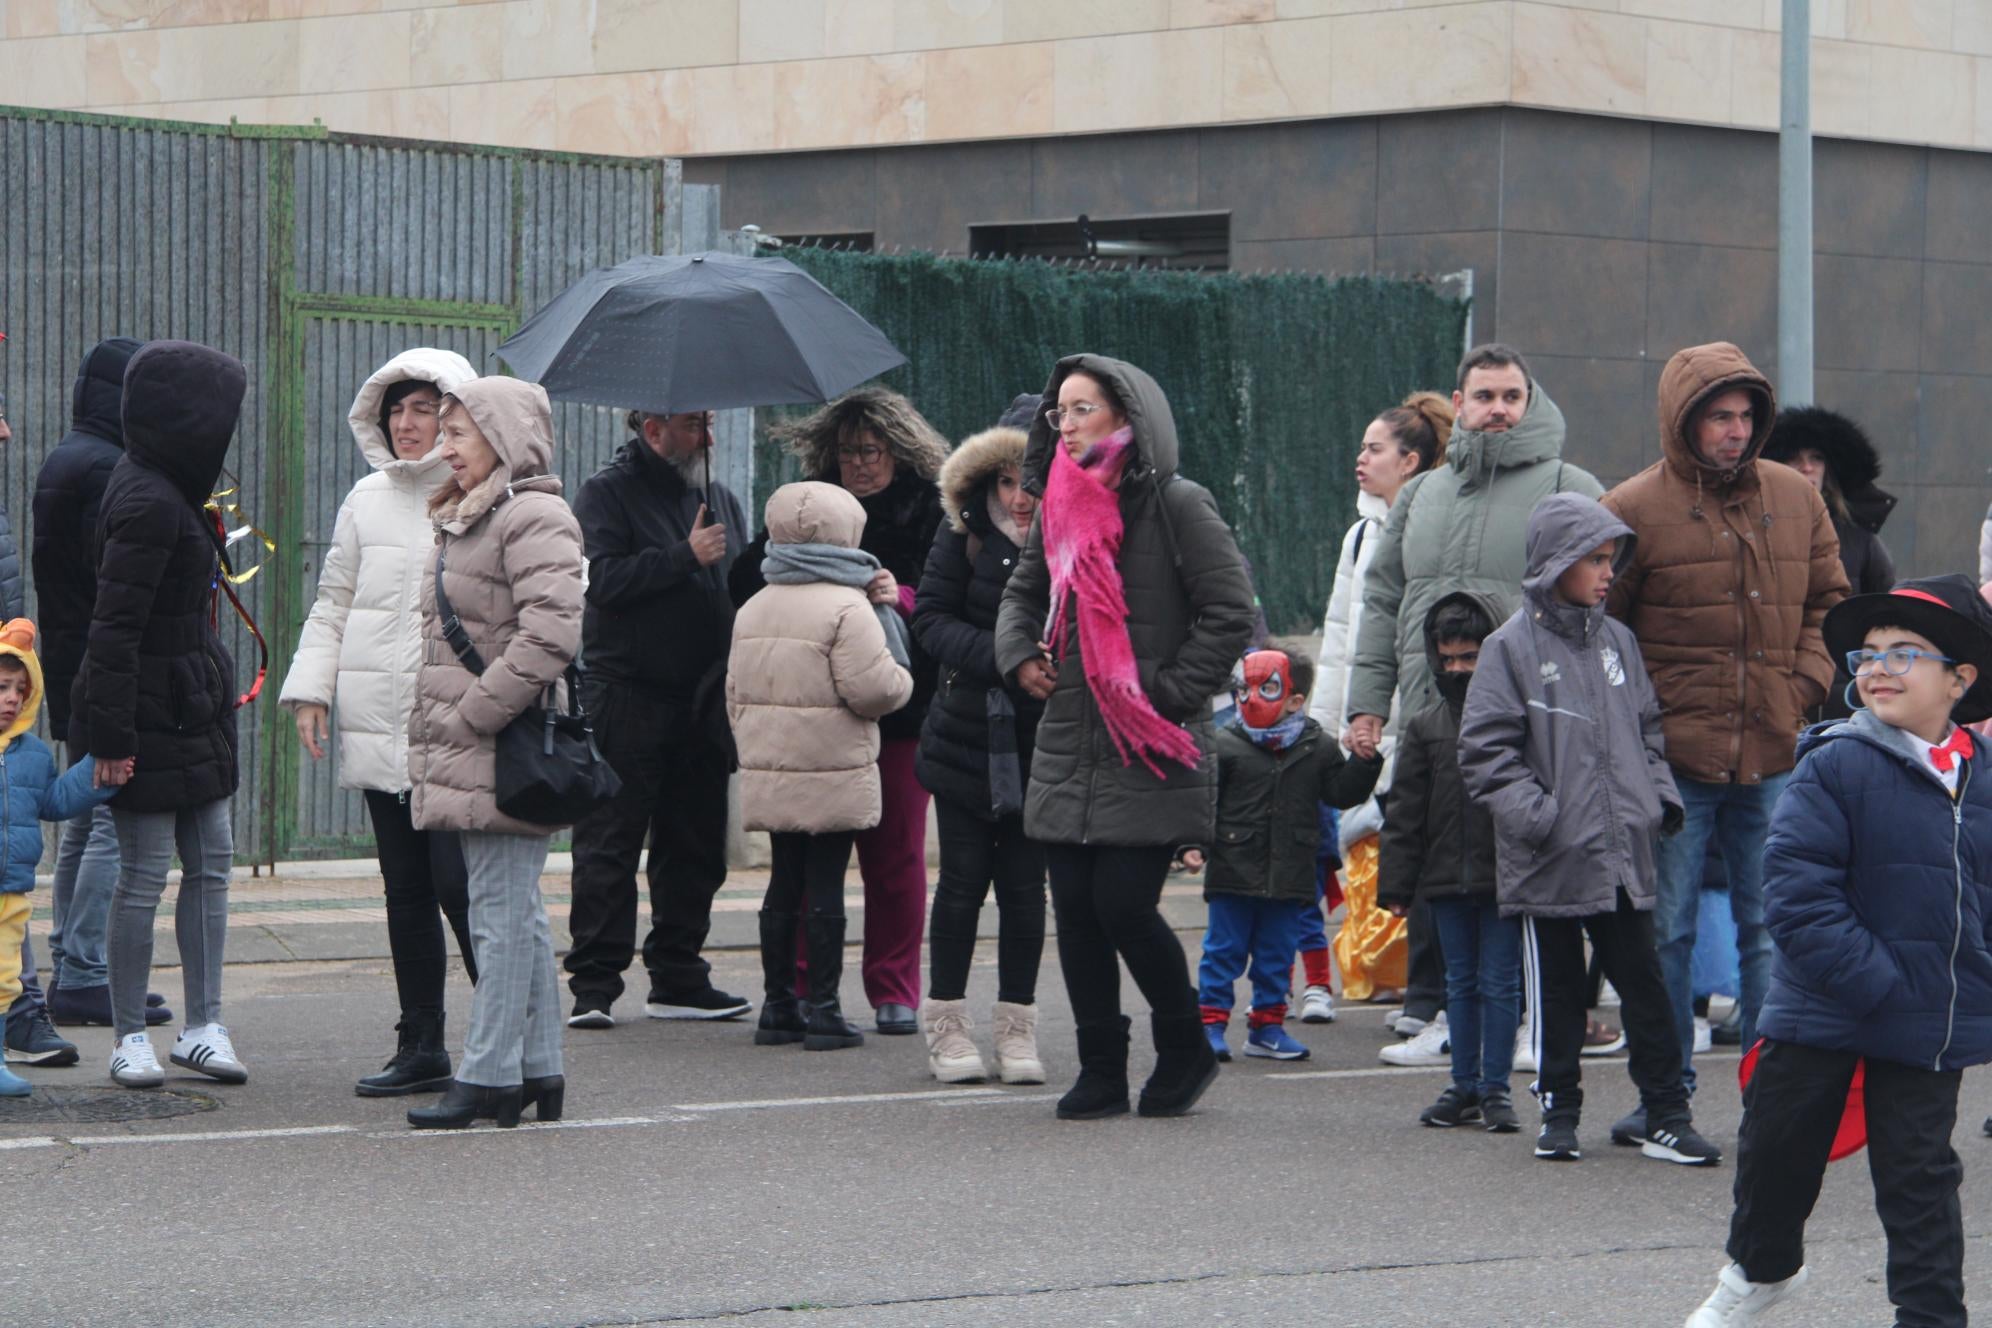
pixel 1795 207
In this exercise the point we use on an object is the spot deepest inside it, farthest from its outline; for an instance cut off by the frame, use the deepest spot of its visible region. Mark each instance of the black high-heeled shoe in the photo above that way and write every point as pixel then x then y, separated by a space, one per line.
pixel 545 1095
pixel 463 1103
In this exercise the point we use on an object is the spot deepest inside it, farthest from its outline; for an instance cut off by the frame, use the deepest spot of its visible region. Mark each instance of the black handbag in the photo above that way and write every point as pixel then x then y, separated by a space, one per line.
pixel 549 771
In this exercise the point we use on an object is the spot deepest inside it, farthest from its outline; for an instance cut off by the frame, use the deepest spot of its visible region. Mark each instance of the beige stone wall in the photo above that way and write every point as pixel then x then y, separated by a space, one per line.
pixel 690 77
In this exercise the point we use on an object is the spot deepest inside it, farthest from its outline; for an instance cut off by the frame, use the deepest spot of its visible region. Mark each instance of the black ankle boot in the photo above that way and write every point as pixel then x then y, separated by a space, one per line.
pixel 463 1103
pixel 1185 1066
pixel 420 1064
pixel 1101 1089
pixel 826 1028
pixel 781 1014
pixel 545 1095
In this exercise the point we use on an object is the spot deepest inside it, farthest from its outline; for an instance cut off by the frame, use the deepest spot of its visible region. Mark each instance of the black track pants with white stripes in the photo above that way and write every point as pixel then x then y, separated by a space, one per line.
pixel 1554 984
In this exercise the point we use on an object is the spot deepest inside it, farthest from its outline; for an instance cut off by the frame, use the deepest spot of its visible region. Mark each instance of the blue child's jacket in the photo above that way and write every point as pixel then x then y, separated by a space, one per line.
pixel 32 789
pixel 1878 897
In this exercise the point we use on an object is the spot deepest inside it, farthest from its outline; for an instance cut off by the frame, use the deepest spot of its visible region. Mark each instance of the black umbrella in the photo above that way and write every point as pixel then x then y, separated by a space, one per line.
pixel 689 332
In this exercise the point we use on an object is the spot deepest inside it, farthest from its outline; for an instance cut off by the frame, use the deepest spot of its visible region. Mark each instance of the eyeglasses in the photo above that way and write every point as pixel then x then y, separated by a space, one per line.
pixel 1078 413
pixel 868 455
pixel 1894 662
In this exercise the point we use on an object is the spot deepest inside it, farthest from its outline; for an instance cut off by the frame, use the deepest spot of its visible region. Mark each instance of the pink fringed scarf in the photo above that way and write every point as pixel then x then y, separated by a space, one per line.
pixel 1082 539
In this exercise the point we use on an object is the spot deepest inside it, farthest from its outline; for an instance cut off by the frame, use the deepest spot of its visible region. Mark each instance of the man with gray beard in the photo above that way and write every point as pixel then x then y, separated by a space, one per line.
pixel 657 625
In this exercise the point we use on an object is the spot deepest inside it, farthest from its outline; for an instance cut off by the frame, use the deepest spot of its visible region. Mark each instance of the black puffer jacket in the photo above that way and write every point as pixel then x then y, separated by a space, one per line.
pixel 1268 811
pixel 1437 842
pixel 900 522
pixel 68 492
pixel 156 682
pixel 954 620
pixel 1189 616
pixel 655 620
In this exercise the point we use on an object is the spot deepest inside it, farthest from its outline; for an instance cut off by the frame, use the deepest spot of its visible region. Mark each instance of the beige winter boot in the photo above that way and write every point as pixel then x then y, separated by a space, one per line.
pixel 951 1055
pixel 1015 1027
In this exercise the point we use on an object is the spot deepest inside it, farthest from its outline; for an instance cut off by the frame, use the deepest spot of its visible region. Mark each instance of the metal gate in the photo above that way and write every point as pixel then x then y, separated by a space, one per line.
pixel 313 257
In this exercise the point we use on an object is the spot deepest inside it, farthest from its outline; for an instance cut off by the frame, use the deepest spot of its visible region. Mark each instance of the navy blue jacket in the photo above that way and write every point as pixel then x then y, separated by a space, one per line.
pixel 1878 897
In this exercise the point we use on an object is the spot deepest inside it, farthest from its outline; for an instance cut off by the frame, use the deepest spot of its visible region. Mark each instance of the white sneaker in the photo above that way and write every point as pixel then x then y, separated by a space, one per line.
pixel 1317 1006
pixel 1704 1037
pixel 1737 1301
pixel 1430 1047
pixel 1406 1025
pixel 208 1050
pixel 951 1055
pixel 1525 1057
pixel 133 1065
pixel 1014 1028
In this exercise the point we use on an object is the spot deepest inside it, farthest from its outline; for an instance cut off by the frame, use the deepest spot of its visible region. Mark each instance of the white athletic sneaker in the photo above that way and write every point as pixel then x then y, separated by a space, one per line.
pixel 951 1055
pixel 1704 1036
pixel 133 1065
pixel 208 1050
pixel 1737 1301
pixel 1525 1057
pixel 1431 1047
pixel 1406 1025
pixel 1317 1006
pixel 1391 1016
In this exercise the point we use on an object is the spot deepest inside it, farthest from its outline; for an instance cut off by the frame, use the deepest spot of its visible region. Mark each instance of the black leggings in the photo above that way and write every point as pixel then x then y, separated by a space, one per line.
pixel 808 871
pixel 423 871
pixel 1107 900
pixel 975 852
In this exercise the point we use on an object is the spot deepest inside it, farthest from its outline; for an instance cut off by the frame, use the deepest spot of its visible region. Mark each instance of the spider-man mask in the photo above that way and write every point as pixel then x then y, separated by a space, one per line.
pixel 1261 684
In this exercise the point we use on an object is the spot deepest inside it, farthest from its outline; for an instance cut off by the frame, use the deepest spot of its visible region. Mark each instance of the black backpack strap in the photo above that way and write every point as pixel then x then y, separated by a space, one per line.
pixel 452 626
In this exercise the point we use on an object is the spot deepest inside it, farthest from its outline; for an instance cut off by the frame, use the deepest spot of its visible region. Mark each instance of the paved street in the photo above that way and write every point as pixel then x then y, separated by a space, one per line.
pixel 698 1177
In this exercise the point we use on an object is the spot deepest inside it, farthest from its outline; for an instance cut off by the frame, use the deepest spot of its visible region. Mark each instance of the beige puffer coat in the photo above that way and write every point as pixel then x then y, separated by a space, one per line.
pixel 807 681
pixel 513 574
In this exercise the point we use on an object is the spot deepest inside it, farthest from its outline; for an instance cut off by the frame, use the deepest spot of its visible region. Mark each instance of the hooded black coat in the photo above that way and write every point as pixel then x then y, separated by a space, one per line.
pixel 1189 616
pixel 68 493
pixel 1437 842
pixel 156 681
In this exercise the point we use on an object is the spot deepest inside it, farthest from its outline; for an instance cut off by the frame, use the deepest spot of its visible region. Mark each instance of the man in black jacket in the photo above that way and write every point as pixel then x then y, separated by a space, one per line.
pixel 655 636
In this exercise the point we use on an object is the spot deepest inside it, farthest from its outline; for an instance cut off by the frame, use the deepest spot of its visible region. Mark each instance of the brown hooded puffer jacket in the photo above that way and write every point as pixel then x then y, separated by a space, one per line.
pixel 1730 580
pixel 808 679
pixel 513 574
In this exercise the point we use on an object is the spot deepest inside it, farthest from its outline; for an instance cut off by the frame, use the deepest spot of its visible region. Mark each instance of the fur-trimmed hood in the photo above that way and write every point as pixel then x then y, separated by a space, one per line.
pixel 966 474
pixel 914 443
pixel 1850 454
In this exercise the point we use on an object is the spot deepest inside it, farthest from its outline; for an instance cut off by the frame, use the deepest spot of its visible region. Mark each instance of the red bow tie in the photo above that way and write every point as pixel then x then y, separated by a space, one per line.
pixel 1957 749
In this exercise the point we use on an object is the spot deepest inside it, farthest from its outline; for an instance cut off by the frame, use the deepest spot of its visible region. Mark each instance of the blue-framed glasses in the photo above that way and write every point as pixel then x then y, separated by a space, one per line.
pixel 1894 662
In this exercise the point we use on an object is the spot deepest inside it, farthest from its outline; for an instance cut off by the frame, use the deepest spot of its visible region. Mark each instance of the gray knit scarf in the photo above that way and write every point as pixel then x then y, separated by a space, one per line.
pixel 803 564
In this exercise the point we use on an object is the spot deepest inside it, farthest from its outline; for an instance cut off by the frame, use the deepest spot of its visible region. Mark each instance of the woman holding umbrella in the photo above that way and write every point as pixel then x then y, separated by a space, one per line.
pixel 1126 614
pixel 875 445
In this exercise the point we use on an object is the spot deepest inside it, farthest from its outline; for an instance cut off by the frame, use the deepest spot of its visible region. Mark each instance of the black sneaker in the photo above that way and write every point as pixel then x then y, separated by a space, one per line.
pixel 709 1003
pixel 32 1040
pixel 1454 1107
pixel 1497 1113
pixel 1676 1141
pixel 1629 1130
pixel 588 1014
pixel 1557 1141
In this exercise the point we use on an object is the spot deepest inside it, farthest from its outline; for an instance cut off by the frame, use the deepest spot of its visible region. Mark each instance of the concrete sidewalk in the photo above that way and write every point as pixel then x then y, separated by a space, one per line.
pixel 334 911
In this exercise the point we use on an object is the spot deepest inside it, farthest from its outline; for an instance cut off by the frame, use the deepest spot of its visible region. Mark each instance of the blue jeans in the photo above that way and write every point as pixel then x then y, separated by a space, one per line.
pixel 1263 931
pixel 1738 818
pixel 86 871
pixel 1483 954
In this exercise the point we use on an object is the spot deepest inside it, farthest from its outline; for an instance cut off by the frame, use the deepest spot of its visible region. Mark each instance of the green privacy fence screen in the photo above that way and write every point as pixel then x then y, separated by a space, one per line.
pixel 1272 379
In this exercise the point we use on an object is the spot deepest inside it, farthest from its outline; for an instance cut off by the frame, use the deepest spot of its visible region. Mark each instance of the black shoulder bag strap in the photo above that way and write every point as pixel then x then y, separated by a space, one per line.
pixel 453 626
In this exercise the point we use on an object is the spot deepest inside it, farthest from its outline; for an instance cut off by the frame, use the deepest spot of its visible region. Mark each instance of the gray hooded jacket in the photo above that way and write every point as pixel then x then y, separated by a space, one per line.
pixel 1560 739
pixel 1459 527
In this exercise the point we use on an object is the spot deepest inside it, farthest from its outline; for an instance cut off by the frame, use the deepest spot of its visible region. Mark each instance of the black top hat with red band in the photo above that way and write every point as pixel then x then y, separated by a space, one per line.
pixel 1946 609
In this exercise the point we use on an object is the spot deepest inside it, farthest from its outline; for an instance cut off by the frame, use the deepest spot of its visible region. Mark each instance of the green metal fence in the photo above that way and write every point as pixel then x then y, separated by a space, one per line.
pixel 1272 379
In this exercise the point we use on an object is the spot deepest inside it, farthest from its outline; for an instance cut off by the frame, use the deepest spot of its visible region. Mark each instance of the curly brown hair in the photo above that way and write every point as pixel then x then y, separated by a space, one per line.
pixel 814 439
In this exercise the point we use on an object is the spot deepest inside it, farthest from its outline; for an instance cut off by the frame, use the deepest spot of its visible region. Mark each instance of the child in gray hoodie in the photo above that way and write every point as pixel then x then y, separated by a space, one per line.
pixel 1560 740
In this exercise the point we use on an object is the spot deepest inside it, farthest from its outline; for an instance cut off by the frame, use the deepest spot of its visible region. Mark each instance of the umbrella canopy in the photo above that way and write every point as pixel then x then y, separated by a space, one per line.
pixel 708 331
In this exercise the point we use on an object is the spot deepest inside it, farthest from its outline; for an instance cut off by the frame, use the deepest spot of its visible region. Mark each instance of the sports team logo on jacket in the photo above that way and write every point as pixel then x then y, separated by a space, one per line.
pixel 1614 666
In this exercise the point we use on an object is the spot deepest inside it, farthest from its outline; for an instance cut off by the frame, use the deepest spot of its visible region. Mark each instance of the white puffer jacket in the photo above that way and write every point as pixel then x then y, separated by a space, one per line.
pixel 363 641
pixel 1340 629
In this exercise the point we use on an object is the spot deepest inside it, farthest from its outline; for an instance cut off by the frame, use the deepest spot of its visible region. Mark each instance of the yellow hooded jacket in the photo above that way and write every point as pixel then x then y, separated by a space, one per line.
pixel 32 788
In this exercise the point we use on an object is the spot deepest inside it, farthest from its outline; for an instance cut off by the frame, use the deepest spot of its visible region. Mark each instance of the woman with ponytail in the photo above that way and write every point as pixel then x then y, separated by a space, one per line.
pixel 1127 612
pixel 1406 440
